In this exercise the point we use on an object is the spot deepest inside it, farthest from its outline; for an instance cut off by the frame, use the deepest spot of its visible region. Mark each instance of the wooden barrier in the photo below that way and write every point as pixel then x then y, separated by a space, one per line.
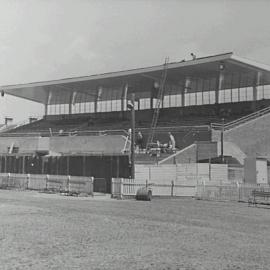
pixel 57 183
pixel 123 187
pixel 13 180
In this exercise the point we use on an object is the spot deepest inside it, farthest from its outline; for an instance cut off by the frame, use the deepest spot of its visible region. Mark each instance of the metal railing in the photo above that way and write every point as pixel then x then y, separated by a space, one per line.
pixel 51 133
pixel 56 133
pixel 242 120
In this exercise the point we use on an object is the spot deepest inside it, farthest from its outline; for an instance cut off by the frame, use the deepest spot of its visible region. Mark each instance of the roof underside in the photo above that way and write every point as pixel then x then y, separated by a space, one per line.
pixel 238 73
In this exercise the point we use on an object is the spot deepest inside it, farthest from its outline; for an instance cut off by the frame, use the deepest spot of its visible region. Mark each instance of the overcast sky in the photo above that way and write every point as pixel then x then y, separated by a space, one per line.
pixel 53 39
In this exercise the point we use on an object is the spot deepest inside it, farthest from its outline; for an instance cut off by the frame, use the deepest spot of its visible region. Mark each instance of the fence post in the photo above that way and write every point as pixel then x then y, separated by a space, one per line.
pixel 112 187
pixel 238 191
pixel 8 180
pixel 68 183
pixel 219 190
pixel 47 179
pixel 121 188
pixel 88 188
pixel 92 185
pixel 172 186
pixel 28 180
pixel 203 193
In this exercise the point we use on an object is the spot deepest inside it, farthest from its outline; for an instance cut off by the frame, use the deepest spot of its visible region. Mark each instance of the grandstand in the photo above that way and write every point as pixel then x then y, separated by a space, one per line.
pixel 89 115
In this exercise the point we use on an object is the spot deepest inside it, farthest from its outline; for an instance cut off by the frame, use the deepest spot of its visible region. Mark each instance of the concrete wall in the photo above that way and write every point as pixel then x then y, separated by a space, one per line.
pixel 206 150
pixel 25 144
pixel 231 149
pixel 193 153
pixel 187 155
pixel 252 137
pixel 79 144
pixel 64 144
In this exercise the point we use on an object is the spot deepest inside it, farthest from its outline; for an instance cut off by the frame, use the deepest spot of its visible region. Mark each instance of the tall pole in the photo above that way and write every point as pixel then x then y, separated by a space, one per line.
pixel 222 141
pixel 132 150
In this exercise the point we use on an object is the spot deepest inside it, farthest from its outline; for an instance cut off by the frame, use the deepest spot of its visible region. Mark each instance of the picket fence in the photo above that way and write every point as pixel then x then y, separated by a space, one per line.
pixel 125 187
pixel 169 179
pixel 58 183
pixel 240 192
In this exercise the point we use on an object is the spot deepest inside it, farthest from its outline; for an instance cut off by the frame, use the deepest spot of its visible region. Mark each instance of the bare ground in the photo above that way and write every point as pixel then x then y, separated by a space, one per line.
pixel 42 231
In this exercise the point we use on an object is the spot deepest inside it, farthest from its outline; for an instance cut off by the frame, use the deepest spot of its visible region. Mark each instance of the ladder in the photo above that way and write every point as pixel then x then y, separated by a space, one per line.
pixel 160 95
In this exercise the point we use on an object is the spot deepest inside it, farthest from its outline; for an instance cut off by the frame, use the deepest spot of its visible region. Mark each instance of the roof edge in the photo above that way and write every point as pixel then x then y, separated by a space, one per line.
pixel 251 63
pixel 183 63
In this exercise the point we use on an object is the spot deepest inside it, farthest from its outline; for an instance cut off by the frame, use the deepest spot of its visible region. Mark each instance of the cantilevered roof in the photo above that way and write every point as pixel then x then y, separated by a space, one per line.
pixel 142 78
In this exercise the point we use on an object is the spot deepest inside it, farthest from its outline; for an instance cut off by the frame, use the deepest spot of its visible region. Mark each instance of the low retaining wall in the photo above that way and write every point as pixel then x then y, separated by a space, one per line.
pixel 58 183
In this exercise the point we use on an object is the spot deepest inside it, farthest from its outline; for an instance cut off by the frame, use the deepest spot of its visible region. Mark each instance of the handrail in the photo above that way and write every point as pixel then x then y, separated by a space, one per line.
pixel 241 120
pixel 46 132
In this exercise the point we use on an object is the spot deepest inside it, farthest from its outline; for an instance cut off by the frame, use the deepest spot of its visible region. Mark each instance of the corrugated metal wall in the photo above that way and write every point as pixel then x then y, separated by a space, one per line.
pixel 100 167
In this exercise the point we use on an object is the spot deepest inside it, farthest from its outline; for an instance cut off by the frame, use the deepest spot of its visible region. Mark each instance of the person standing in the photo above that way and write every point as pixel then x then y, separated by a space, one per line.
pixel 139 140
pixel 171 141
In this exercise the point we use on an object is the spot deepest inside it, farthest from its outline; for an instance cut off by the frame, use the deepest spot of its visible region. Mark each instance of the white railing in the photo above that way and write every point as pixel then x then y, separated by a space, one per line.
pixel 50 133
pixel 125 187
pixel 241 120
pixel 228 192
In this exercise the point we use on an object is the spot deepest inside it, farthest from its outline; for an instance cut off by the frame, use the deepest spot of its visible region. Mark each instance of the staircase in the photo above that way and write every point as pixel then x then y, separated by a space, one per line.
pixel 250 133
pixel 242 120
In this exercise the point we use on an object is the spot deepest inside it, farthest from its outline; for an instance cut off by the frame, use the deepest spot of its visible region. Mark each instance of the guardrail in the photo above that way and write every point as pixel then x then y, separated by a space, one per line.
pixel 52 133
pixel 177 128
pixel 241 120
pixel 48 133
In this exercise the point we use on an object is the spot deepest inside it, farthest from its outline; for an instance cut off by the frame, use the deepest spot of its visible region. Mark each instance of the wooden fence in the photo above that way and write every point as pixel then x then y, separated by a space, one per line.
pixel 181 173
pixel 227 192
pixel 123 187
pixel 169 179
pixel 58 183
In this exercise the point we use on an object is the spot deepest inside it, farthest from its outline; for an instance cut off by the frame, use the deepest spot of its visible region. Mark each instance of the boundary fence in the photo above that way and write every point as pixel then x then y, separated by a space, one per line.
pixel 240 192
pixel 125 187
pixel 57 183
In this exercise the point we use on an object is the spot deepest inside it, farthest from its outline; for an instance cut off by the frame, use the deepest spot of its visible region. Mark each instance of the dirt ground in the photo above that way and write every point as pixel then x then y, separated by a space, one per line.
pixel 49 231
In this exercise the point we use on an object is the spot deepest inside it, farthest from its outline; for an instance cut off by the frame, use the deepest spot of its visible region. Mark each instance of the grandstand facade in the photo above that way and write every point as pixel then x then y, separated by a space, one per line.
pixel 89 115
pixel 215 79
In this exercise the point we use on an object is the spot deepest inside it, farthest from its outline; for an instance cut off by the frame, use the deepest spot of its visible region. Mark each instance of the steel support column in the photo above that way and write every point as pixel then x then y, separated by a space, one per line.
pixel 48 101
pixel 257 82
pixel 219 85
pixel 72 101
pixel 98 96
pixel 185 90
pixel 124 97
